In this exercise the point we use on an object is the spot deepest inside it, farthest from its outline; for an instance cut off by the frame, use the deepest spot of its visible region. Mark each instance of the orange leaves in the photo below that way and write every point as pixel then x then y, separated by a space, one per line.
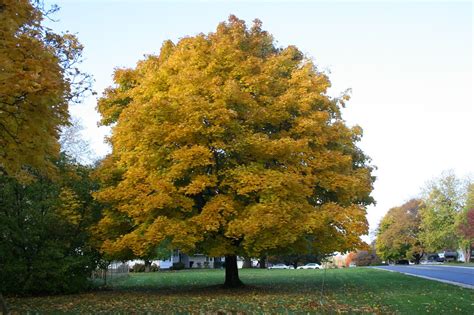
pixel 199 183
pixel 270 224
pixel 188 158
pixel 158 230
pixel 215 214
pixel 230 145
pixel 70 207
pixel 268 183
pixel 313 125
pixel 38 78
pixel 131 241
pixel 398 232
pixel 341 226
pixel 285 150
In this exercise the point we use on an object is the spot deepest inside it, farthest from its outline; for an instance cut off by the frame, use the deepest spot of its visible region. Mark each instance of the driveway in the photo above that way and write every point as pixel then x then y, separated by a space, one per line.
pixel 462 276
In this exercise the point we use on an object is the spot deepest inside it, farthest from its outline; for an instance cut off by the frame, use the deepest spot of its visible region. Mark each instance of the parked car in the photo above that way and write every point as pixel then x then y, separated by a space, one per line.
pixel 433 259
pixel 431 262
pixel 402 262
pixel 448 256
pixel 438 261
pixel 280 266
pixel 310 266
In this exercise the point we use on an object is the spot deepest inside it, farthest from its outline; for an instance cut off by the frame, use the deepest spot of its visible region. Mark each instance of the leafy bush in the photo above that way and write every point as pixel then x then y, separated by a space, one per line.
pixel 367 258
pixel 45 239
pixel 218 264
pixel 154 268
pixel 177 266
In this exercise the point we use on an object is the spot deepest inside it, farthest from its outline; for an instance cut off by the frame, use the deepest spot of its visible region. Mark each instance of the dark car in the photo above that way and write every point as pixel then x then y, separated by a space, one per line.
pixel 434 258
pixel 402 262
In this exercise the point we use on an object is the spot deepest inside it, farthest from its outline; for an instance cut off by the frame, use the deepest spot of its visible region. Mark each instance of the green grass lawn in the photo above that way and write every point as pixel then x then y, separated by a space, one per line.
pixel 471 264
pixel 354 290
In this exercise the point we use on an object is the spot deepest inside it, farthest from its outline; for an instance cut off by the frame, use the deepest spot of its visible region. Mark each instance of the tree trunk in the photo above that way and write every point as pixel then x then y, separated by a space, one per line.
pixel 147 265
pixel 3 305
pixel 247 263
pixel 417 258
pixel 467 254
pixel 232 272
pixel 261 262
pixel 105 275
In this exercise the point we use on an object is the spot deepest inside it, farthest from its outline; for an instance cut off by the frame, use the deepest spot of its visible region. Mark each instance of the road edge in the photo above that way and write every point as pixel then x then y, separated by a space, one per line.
pixel 467 286
pixel 451 266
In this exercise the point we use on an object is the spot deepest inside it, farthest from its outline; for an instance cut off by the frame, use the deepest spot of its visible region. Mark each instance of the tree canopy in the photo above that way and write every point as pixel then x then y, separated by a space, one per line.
pixel 46 205
pixel 225 144
pixel 441 221
pixel 445 199
pixel 398 233
pixel 38 77
pixel 45 238
pixel 465 225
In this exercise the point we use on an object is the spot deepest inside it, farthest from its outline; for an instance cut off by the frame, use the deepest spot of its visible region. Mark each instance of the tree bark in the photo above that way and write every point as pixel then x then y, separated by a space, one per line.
pixel 147 265
pixel 262 263
pixel 3 305
pixel 467 254
pixel 232 272
pixel 105 275
pixel 417 258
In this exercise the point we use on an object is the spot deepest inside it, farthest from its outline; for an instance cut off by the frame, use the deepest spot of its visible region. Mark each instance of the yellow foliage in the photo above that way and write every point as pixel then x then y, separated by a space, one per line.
pixel 70 207
pixel 226 144
pixel 35 88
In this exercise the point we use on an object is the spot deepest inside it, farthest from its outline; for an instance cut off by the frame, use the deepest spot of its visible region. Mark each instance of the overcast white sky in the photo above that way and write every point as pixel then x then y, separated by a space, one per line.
pixel 409 65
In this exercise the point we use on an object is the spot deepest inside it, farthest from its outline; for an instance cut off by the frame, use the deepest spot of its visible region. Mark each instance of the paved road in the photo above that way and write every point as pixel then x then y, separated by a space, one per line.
pixel 463 276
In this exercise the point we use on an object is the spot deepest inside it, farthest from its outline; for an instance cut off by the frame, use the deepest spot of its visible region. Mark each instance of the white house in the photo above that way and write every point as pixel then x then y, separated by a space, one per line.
pixel 193 261
pixel 197 261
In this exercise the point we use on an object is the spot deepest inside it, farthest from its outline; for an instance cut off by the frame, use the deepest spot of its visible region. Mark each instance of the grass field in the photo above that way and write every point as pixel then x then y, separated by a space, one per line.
pixel 460 264
pixel 354 290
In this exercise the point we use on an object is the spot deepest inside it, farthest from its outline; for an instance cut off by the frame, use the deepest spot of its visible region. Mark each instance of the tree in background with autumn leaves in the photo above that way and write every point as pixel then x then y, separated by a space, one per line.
pixel 398 235
pixel 465 224
pixel 226 145
pixel 46 207
pixel 38 79
pixel 441 220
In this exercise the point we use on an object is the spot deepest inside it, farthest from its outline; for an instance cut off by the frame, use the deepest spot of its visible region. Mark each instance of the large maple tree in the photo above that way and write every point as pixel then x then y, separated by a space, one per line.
pixel 227 145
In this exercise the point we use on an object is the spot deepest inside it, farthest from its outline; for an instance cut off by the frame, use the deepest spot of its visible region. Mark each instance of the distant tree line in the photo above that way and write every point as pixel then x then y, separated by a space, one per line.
pixel 442 220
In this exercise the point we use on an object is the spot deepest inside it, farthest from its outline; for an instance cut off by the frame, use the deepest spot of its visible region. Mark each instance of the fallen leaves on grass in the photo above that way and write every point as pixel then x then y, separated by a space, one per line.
pixel 288 291
pixel 219 302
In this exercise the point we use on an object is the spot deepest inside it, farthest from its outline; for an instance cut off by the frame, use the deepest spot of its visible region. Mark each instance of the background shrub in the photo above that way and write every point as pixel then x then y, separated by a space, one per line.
pixel 177 266
pixel 138 268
